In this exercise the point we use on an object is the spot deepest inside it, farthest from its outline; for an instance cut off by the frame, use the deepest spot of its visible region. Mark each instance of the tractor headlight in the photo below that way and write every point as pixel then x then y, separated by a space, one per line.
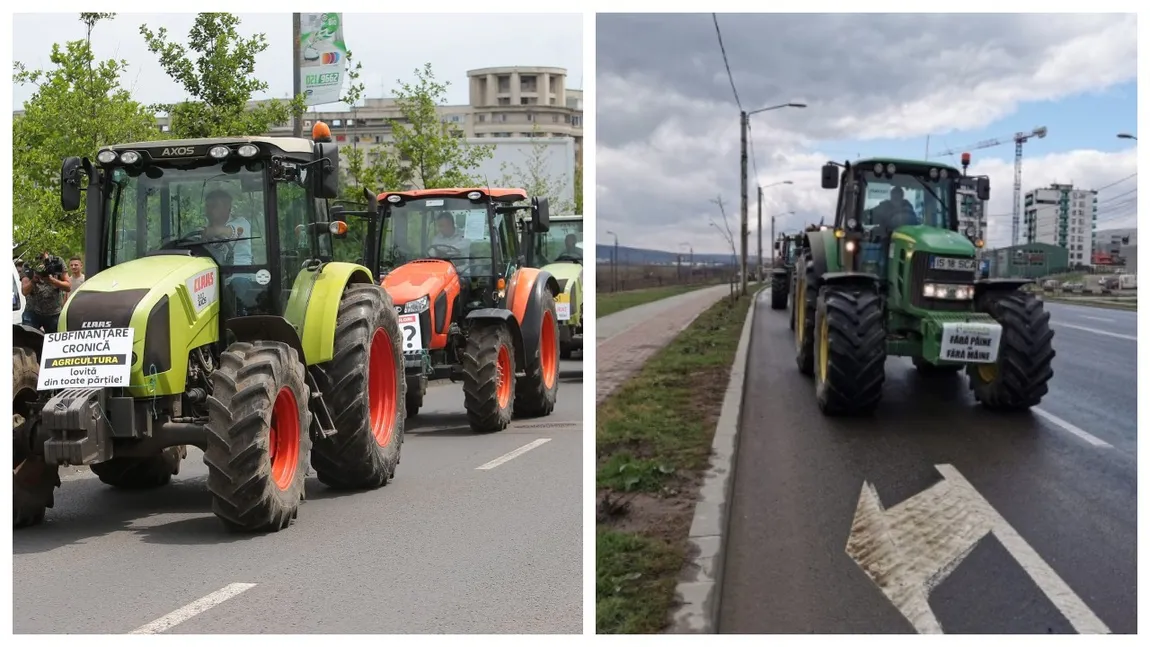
pixel 219 152
pixel 948 291
pixel 416 306
pixel 852 223
pixel 248 150
pixel 106 157
pixel 850 245
pixel 129 157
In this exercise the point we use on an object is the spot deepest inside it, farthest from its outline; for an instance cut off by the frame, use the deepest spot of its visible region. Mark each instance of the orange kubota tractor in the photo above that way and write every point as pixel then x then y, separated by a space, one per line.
pixel 452 262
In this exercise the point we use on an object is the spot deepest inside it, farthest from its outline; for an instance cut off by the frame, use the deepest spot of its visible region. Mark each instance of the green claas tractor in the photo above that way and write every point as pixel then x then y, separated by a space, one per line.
pixel 782 274
pixel 894 277
pixel 215 317
pixel 560 253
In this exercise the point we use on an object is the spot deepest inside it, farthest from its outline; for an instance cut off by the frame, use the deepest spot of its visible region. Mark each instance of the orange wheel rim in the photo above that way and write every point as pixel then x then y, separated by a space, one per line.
pixel 503 371
pixel 283 439
pixel 549 350
pixel 381 387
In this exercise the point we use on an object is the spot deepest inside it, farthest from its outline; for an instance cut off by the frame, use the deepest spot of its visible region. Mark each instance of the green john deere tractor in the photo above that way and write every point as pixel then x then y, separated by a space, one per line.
pixel 215 317
pixel 894 277
pixel 782 274
pixel 560 253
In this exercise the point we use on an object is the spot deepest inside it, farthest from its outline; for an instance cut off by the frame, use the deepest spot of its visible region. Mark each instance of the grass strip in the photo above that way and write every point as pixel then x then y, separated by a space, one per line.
pixel 612 302
pixel 653 441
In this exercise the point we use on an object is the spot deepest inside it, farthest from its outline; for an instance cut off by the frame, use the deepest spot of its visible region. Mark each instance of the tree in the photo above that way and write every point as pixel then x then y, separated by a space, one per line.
pixel 533 177
pixel 78 106
pixel 217 70
pixel 579 186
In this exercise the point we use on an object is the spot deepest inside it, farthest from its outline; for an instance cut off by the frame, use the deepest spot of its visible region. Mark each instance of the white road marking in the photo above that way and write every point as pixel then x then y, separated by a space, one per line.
pixel 911 548
pixel 512 454
pixel 1077 431
pixel 194 609
pixel 1095 331
pixel 1102 319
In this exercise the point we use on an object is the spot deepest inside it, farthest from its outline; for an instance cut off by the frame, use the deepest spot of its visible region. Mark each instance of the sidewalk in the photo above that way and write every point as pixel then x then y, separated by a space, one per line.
pixel 627 339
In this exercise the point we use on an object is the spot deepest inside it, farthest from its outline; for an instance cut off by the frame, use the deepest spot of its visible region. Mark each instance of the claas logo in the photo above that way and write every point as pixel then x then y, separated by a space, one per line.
pixel 329 58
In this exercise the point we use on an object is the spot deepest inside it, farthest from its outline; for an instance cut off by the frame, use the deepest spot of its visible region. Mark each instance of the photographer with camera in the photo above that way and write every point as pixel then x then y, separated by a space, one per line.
pixel 45 284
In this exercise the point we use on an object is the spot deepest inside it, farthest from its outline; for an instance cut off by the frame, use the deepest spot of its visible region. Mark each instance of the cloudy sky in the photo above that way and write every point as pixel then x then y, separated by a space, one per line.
pixel 390 46
pixel 668 127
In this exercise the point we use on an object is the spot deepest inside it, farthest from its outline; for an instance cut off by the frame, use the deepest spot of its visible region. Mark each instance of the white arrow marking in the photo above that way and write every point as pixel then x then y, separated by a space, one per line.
pixel 911 548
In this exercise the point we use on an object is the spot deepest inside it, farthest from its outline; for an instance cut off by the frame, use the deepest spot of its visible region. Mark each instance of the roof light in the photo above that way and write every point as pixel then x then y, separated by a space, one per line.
pixel 320 132
pixel 106 157
pixel 219 152
pixel 890 169
pixel 474 195
pixel 129 157
pixel 878 169
pixel 394 198
pixel 943 173
pixel 934 174
pixel 248 150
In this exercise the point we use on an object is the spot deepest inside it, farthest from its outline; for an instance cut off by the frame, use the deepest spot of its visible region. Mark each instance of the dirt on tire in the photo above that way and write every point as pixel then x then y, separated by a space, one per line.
pixel 353 457
pixel 245 388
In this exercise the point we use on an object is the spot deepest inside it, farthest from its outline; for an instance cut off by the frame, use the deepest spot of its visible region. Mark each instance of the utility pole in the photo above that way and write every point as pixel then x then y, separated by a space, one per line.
pixel 297 121
pixel 772 241
pixel 743 192
pixel 759 260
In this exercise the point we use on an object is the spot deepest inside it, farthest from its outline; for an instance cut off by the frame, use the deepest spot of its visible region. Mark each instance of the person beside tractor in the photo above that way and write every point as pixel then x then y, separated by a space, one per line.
pixel 45 285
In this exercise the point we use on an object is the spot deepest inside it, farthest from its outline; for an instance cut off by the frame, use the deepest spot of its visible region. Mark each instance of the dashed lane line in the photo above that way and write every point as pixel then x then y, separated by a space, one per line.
pixel 1077 431
pixel 194 609
pixel 515 453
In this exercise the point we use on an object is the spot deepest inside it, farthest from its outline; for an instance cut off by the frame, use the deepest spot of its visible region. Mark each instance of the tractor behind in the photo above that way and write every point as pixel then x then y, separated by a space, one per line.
pixel 214 316
pixel 895 277
pixel 559 252
pixel 782 273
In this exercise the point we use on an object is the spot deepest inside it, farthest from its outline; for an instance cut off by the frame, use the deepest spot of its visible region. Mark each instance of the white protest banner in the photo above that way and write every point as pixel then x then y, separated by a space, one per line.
pixel 90 358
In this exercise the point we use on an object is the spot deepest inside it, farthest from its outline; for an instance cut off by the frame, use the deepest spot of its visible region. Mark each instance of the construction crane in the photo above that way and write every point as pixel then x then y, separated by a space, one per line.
pixel 1019 139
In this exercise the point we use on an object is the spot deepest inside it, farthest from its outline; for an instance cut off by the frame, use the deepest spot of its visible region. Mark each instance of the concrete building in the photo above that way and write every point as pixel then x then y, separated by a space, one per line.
pixel 1064 216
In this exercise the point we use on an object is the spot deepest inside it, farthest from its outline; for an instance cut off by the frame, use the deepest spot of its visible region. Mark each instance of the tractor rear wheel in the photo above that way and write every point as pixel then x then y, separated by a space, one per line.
pixel 416 389
pixel 34 482
pixel 778 291
pixel 537 391
pixel 805 299
pixel 258 436
pixel 488 376
pixel 850 350
pixel 1018 380
pixel 364 389
pixel 140 473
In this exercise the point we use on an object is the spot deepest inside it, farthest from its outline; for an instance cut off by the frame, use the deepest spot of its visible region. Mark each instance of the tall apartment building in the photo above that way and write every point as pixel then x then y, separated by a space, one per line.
pixel 1064 216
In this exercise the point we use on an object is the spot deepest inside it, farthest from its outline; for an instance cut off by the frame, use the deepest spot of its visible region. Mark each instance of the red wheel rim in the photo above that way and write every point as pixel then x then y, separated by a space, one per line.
pixel 283 439
pixel 381 387
pixel 549 350
pixel 503 385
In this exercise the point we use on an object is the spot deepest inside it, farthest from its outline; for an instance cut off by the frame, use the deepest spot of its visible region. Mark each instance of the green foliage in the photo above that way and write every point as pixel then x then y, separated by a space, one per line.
pixel 217 70
pixel 78 106
pixel 532 176
pixel 579 187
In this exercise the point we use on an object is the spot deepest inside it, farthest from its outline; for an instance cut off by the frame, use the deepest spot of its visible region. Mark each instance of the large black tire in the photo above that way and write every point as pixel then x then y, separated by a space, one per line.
pixel 413 400
pixel 538 390
pixel 488 377
pixel 779 289
pixel 1025 353
pixel 930 370
pixel 252 394
pixel 140 473
pixel 806 297
pixel 34 482
pixel 850 330
pixel 364 390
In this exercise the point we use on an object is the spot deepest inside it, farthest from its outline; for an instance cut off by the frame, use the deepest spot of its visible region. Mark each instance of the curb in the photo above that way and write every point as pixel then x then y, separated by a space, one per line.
pixel 700 583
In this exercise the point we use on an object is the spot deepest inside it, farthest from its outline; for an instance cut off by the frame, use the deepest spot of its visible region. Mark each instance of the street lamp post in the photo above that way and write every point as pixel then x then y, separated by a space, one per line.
pixel 760 257
pixel 691 262
pixel 614 261
pixel 744 120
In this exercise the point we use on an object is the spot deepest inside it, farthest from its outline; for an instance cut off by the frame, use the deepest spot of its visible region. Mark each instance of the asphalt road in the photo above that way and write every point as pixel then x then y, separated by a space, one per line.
pixel 444 548
pixel 1035 502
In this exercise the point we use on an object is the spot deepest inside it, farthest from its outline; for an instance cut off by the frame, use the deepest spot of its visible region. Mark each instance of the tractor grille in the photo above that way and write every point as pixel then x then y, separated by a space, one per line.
pixel 921 272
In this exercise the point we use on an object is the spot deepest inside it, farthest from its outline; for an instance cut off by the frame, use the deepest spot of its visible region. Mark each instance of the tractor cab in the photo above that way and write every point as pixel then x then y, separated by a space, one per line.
pixel 563 243
pixel 786 250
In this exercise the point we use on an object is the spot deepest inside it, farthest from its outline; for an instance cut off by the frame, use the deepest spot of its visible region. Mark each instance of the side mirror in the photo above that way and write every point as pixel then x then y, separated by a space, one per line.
pixel 329 171
pixel 830 176
pixel 541 214
pixel 336 211
pixel 70 184
pixel 982 188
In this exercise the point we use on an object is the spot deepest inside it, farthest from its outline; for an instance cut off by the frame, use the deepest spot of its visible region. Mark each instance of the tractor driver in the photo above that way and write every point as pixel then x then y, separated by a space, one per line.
pixel 222 225
pixel 895 211
pixel 448 237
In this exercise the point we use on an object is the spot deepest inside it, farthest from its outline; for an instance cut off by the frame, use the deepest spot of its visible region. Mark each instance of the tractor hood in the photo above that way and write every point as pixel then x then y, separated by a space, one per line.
pixel 123 295
pixel 938 241
pixel 565 273
pixel 417 279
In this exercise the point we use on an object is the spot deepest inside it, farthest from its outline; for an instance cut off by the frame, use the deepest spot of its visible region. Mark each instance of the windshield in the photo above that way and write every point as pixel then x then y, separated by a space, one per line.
pixel 174 207
pixel 906 200
pixel 454 229
pixel 564 238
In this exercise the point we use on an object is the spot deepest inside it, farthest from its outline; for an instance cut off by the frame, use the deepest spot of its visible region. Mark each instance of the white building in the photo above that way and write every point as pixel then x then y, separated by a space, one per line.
pixel 1064 216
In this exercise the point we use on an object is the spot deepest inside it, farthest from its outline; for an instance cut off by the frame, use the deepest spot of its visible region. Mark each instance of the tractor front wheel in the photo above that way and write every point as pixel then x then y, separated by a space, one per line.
pixel 778 291
pixel 416 389
pixel 850 350
pixel 364 389
pixel 258 440
pixel 805 299
pixel 1018 379
pixel 34 482
pixel 488 376
pixel 140 473
pixel 538 390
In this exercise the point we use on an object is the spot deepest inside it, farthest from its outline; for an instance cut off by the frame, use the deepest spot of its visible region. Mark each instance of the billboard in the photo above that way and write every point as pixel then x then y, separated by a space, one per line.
pixel 323 57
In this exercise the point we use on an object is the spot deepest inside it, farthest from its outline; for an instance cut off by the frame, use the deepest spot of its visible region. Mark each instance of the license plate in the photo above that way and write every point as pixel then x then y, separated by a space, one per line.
pixel 563 311
pixel 975 343
pixel 953 264
pixel 411 332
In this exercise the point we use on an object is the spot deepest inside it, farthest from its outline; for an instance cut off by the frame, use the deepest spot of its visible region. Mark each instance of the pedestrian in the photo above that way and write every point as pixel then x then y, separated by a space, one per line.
pixel 45 285
pixel 75 274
